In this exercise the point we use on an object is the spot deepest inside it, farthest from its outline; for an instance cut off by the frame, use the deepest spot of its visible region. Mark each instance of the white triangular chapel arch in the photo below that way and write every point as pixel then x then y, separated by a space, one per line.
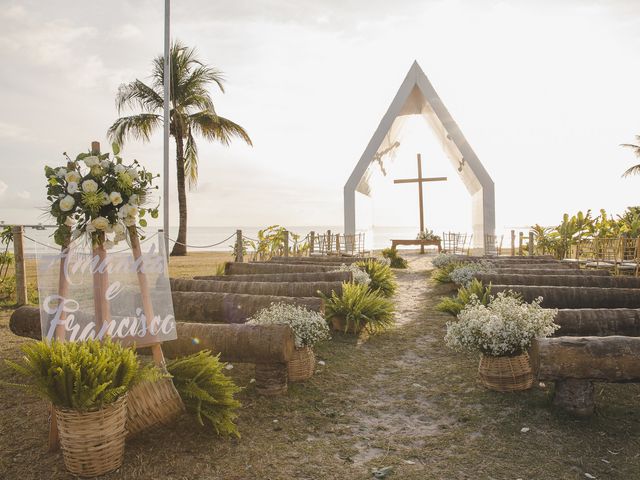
pixel 417 96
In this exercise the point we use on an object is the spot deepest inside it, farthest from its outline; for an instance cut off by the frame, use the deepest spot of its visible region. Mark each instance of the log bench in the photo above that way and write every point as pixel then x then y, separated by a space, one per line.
pixel 269 347
pixel 525 270
pixel 234 268
pixel 598 322
pixel 601 281
pixel 282 277
pixel 283 289
pixel 418 242
pixel 320 259
pixel 575 363
pixel 575 297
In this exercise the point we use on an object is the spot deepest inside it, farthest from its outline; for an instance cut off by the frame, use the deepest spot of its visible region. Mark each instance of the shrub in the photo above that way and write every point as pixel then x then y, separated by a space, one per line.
pixel 381 276
pixel 443 259
pixel 80 375
pixel 504 327
pixel 360 307
pixel 463 274
pixel 441 274
pixel 206 391
pixel 308 327
pixel 395 260
pixel 475 289
pixel 359 276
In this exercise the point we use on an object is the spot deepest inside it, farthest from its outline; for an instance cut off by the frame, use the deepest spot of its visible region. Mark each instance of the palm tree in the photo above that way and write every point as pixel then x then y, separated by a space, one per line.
pixel 636 149
pixel 192 114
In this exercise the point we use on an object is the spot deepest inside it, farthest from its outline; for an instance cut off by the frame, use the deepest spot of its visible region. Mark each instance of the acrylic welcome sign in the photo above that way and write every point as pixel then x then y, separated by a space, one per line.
pixel 85 294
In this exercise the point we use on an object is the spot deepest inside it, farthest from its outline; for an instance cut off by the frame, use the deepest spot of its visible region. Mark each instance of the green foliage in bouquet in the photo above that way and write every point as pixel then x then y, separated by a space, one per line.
pixel 454 305
pixel 80 375
pixel 206 391
pixel 382 277
pixel 396 261
pixel 360 306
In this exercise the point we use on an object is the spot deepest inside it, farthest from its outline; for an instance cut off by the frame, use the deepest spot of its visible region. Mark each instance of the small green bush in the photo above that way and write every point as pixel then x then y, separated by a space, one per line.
pixel 361 307
pixel 382 278
pixel 206 391
pixel 396 261
pixel 454 305
pixel 441 275
pixel 80 375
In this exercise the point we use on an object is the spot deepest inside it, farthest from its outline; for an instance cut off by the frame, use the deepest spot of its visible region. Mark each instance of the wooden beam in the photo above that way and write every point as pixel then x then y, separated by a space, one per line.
pixel 421 180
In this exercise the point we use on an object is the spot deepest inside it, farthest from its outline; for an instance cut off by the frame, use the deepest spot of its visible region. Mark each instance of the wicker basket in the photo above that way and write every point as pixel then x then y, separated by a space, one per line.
pixel 152 403
pixel 507 373
pixel 92 442
pixel 302 364
pixel 339 324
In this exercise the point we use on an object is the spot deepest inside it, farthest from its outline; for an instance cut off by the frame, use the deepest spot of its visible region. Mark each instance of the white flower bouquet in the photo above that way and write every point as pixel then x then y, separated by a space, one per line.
pixel 443 259
pixel 505 327
pixel 308 327
pixel 100 196
pixel 463 274
pixel 360 276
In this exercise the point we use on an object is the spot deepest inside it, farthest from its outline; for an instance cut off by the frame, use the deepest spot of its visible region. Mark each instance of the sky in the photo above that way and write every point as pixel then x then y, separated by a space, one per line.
pixel 545 92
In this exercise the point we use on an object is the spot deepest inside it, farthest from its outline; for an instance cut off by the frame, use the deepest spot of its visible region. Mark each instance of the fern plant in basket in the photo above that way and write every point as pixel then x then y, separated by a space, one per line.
pixel 395 260
pixel 87 382
pixel 381 277
pixel 502 332
pixel 308 328
pixel 476 289
pixel 358 308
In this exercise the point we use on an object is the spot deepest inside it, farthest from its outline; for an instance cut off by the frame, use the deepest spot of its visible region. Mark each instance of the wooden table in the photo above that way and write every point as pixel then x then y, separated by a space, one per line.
pixel 421 243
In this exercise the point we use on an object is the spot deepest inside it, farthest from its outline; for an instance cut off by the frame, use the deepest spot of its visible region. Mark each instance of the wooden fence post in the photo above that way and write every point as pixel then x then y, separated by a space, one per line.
pixel 286 243
pixel 18 258
pixel 513 243
pixel 338 243
pixel 239 246
pixel 520 242
pixel 312 241
pixel 329 242
pixel 531 245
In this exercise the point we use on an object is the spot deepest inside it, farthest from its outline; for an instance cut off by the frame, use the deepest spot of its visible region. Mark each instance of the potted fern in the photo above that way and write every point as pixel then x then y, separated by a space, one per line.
pixel 308 327
pixel 87 383
pixel 359 308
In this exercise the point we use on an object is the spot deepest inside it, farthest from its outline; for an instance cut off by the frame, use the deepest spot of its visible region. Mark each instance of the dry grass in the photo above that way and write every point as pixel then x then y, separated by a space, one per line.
pixel 400 399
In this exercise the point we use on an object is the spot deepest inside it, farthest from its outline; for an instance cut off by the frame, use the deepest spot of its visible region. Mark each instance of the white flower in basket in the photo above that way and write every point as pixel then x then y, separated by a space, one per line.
pixel 308 327
pixel 359 275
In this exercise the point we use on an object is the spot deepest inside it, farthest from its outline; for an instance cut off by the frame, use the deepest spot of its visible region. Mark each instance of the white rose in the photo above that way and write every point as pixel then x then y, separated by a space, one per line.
pixel 89 186
pixel 129 221
pixel 132 211
pixel 72 176
pixel 106 163
pixel 109 228
pixel 72 187
pixel 119 168
pixel 69 222
pixel 133 173
pixel 134 199
pixel 61 172
pixel 119 229
pixel 91 161
pixel 116 198
pixel 96 171
pixel 105 198
pixel 108 244
pixel 67 203
pixel 100 223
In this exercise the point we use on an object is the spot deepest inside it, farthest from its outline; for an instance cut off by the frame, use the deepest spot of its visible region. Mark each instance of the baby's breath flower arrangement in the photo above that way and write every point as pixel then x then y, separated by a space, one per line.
pixel 308 327
pixel 506 326
pixel 359 275
pixel 100 196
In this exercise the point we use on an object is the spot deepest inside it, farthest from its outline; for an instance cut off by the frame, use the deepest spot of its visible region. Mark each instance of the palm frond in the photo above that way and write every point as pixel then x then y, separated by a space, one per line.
pixel 138 94
pixel 137 127
pixel 215 127
pixel 191 160
pixel 635 170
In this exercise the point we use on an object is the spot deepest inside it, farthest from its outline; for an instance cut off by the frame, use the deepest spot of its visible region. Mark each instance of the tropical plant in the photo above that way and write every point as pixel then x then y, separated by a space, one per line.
pixel 360 307
pixel 634 170
pixel 506 326
pixel 382 277
pixel 358 274
pixel 271 243
pixel 308 327
pixel 96 195
pixel 206 391
pixel 441 275
pixel 475 290
pixel 395 260
pixel 192 114
pixel 80 375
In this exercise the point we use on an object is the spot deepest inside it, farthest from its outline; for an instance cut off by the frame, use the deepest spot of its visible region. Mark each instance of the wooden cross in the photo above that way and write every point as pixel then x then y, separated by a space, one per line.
pixel 420 180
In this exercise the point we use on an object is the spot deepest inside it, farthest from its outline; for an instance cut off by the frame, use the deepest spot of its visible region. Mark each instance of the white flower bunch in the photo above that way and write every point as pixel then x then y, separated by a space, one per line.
pixel 506 326
pixel 444 259
pixel 308 327
pixel 464 274
pixel 360 276
pixel 98 195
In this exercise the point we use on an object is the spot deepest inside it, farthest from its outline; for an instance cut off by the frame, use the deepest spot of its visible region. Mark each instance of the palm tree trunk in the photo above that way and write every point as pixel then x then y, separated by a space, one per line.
pixel 180 247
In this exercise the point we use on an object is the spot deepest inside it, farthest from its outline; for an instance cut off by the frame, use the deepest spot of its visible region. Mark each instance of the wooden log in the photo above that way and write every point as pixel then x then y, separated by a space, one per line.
pixel 210 307
pixel 282 289
pixel 320 259
pixel 605 359
pixel 536 265
pixel 576 297
pixel 602 281
pixel 19 263
pixel 282 277
pixel 549 271
pixel 235 343
pixel 233 268
pixel 599 322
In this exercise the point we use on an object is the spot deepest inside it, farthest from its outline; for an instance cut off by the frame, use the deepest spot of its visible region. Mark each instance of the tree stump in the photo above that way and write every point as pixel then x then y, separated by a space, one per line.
pixel 575 396
pixel 271 378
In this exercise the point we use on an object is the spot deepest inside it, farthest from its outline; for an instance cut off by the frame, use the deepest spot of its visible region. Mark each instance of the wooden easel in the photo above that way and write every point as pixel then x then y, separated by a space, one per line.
pixel 101 306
